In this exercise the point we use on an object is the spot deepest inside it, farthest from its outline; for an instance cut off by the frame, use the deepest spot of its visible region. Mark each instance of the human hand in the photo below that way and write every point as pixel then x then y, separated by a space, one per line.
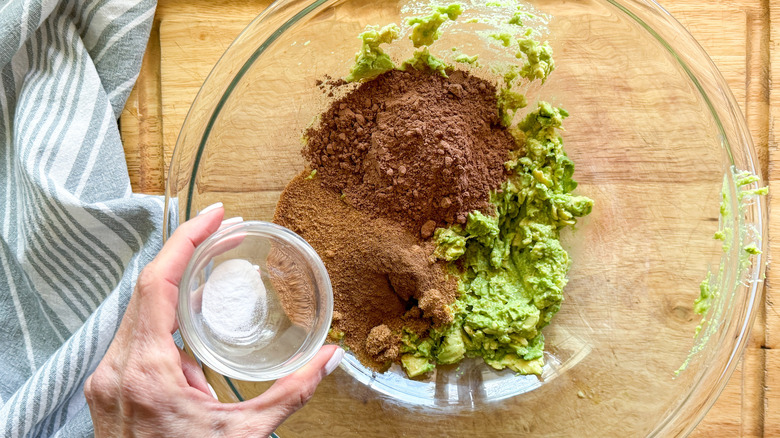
pixel 146 386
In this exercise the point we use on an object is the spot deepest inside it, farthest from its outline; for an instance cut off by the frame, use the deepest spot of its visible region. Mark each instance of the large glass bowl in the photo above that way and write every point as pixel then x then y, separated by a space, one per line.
pixel 656 137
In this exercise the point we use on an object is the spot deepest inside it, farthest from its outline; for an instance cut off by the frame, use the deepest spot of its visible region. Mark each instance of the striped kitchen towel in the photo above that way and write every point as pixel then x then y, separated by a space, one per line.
pixel 73 236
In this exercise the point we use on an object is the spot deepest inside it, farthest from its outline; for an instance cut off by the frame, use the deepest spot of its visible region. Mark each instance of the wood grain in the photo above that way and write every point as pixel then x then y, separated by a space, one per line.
pixel 771 346
pixel 142 121
pixel 188 38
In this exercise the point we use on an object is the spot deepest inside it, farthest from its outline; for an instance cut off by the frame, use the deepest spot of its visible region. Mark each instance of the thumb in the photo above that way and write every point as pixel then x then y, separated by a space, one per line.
pixel 290 393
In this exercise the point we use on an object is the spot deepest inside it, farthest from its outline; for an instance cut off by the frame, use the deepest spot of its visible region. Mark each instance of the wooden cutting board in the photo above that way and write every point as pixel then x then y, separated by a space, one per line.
pixel 189 36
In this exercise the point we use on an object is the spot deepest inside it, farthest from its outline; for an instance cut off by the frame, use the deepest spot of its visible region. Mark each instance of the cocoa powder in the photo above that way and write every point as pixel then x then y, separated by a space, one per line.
pixel 414 147
pixel 379 271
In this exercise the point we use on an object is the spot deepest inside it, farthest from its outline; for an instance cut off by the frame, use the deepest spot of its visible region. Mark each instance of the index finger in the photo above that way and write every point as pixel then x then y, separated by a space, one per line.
pixel 158 284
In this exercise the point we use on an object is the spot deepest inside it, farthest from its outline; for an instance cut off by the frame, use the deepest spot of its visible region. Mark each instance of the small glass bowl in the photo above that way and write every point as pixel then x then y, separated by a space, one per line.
pixel 290 320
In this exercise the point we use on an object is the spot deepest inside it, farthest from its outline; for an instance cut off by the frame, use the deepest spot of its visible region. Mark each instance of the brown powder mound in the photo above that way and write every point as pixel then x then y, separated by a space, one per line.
pixel 379 270
pixel 382 344
pixel 413 146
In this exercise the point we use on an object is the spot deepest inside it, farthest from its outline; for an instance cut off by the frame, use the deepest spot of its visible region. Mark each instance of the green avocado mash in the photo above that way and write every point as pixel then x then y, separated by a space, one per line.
pixel 416 366
pixel 504 38
pixel 511 266
pixel 466 59
pixel 538 59
pixel 509 102
pixel 425 32
pixel 422 59
pixel 517 18
pixel 371 60
pixel 426 29
pixel 500 4
pixel 450 243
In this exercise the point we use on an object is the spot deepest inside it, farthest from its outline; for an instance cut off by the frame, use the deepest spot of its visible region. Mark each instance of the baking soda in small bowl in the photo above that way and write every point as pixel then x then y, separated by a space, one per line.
pixel 255 302
pixel 234 305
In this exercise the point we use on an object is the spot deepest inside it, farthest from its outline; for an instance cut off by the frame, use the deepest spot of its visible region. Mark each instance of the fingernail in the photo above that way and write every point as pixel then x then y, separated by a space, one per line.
pixel 211 388
pixel 232 221
pixel 334 361
pixel 211 207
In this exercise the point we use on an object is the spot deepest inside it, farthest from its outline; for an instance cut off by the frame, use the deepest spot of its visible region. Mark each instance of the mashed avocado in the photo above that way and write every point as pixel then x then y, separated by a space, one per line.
pixel 371 60
pixel 509 101
pixel 466 59
pixel 425 32
pixel 511 266
pixel 538 59
pixel 426 29
pixel 422 59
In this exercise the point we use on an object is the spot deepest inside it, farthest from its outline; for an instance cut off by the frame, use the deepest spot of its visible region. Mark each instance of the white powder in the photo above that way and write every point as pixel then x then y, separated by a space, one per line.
pixel 234 301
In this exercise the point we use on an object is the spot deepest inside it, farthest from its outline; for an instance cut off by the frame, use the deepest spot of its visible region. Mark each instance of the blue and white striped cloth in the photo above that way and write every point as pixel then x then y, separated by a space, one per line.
pixel 73 236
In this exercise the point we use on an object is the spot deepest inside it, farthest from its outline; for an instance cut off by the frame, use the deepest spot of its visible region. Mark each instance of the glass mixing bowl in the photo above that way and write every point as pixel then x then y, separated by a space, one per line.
pixel 656 137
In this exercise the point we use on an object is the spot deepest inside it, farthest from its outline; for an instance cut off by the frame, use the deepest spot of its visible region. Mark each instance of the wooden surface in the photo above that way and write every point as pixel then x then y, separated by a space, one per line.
pixel 188 38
